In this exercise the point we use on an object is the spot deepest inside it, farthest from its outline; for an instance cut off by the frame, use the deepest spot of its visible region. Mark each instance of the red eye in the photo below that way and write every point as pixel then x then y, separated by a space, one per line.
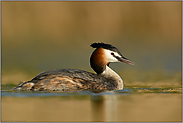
pixel 112 53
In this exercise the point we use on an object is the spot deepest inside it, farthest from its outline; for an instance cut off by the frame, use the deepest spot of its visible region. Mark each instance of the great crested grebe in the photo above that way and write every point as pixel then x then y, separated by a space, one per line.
pixel 77 80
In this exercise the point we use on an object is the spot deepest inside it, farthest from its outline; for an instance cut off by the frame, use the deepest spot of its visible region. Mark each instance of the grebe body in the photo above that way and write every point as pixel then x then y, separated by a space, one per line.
pixel 76 80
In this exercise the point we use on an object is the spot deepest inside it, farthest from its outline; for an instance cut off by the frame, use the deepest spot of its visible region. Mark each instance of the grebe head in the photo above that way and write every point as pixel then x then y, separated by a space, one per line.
pixel 103 55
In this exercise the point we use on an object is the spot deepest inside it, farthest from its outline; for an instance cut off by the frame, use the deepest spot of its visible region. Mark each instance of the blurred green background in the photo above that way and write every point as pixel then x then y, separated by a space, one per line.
pixel 41 36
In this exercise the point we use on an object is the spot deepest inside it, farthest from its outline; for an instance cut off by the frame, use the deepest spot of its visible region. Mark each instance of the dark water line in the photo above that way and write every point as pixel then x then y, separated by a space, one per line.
pixel 95 96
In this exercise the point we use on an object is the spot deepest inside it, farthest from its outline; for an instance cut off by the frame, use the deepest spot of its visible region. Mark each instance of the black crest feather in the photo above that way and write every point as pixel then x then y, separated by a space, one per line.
pixel 105 46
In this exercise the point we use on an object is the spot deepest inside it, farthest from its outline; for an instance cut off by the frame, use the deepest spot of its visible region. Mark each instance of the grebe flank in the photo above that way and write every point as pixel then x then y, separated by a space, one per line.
pixel 76 80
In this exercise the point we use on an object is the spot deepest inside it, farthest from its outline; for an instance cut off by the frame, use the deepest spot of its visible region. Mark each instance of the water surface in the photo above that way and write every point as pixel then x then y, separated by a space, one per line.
pixel 131 104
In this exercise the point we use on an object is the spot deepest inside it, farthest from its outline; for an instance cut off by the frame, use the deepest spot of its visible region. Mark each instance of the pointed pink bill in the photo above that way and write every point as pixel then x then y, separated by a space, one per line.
pixel 125 60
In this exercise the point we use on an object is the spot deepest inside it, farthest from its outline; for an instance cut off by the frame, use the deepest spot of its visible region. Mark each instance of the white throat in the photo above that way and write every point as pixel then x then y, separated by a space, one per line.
pixel 109 73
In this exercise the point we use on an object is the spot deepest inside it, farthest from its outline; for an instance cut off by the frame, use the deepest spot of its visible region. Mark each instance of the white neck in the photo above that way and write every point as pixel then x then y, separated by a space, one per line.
pixel 109 73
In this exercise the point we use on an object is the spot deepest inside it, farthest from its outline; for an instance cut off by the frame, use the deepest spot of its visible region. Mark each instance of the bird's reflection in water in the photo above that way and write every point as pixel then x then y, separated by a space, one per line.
pixel 98 108
pixel 104 108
